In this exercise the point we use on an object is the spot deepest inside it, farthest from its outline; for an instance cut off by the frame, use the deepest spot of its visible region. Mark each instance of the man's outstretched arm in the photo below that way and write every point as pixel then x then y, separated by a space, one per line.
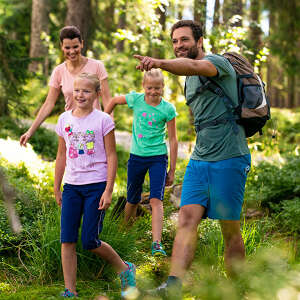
pixel 178 66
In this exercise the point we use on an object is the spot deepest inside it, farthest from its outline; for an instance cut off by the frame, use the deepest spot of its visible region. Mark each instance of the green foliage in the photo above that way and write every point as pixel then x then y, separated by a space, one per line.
pixel 9 128
pixel 28 205
pixel 120 186
pixel 45 142
pixel 123 78
pixel 14 43
pixel 268 183
pixel 288 215
pixel 285 127
pixel 225 38
pixel 143 30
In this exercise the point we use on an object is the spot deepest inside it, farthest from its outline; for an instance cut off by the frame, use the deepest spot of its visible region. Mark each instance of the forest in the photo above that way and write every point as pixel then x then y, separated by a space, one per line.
pixel 266 32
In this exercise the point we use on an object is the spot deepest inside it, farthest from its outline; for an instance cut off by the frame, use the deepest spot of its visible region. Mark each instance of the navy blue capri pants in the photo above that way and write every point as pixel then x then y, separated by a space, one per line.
pixel 78 201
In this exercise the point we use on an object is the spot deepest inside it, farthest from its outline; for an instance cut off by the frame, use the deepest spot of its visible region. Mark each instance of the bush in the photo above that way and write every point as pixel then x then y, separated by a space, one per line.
pixel 45 143
pixel 285 125
pixel 288 215
pixel 27 206
pixel 268 183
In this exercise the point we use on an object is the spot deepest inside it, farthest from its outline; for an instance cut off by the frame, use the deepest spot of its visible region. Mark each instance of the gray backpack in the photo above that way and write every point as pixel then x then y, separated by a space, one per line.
pixel 253 109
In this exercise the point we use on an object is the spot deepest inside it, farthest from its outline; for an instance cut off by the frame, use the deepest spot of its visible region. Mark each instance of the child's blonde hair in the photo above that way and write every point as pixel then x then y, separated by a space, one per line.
pixel 154 73
pixel 91 77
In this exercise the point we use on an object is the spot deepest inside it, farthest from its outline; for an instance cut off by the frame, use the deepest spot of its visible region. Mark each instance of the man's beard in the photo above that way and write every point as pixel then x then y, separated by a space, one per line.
pixel 191 53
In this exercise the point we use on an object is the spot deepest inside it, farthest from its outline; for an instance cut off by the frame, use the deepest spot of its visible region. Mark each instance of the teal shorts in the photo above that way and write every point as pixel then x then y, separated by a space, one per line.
pixel 218 186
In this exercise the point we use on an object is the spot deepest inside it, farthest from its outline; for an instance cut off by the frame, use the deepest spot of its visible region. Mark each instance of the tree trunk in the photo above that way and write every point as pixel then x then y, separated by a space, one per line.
pixel 107 25
pixel 231 8
pixel 158 51
pixel 200 12
pixel 280 87
pixel 297 96
pixel 275 82
pixel 255 30
pixel 8 78
pixel 39 24
pixel 274 75
pixel 297 99
pixel 122 25
pixel 4 107
pixel 216 23
pixel 291 91
pixel 180 10
pixel 216 20
pixel 79 14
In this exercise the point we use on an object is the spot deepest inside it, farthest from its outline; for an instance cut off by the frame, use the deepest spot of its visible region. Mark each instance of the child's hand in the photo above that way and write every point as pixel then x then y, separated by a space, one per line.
pixel 58 197
pixel 105 200
pixel 170 178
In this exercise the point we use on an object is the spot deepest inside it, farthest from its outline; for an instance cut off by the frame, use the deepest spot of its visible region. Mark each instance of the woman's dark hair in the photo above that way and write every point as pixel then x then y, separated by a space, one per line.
pixel 195 27
pixel 70 32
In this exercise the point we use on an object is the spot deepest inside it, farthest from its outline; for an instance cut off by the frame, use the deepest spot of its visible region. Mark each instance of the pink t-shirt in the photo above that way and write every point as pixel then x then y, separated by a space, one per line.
pixel 85 157
pixel 62 78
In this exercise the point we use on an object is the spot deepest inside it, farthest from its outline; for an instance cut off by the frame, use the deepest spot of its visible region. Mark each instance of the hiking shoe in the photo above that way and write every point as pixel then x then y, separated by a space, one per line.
pixel 167 291
pixel 157 249
pixel 67 294
pixel 128 283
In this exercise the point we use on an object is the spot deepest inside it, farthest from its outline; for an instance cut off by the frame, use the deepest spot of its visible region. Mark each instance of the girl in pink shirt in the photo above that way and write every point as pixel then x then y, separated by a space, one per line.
pixel 62 78
pixel 87 159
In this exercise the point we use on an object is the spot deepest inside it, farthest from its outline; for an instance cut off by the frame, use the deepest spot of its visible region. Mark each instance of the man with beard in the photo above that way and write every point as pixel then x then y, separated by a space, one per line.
pixel 215 177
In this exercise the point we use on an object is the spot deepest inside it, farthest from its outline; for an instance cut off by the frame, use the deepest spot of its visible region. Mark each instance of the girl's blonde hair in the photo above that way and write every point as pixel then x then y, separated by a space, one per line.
pixel 92 78
pixel 154 73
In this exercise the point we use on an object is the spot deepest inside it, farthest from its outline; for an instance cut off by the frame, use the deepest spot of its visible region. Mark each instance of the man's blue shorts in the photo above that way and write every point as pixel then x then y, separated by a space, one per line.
pixel 78 201
pixel 218 186
pixel 137 168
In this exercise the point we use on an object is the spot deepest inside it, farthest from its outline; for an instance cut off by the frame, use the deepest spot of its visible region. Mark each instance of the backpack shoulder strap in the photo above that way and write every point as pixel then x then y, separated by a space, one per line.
pixel 200 89
pixel 211 85
pixel 216 89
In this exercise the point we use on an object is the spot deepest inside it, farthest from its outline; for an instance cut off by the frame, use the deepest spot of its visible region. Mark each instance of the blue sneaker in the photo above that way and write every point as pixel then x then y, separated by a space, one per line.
pixel 157 249
pixel 128 283
pixel 67 294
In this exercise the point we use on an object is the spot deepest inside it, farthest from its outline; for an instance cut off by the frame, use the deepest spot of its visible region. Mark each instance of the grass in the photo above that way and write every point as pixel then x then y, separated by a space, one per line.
pixel 88 290
pixel 30 266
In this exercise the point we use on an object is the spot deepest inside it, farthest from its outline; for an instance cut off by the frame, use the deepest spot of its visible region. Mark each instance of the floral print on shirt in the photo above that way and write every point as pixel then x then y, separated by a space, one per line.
pixel 80 142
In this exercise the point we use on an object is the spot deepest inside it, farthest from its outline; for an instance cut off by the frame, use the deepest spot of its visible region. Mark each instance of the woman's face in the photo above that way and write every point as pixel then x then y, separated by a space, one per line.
pixel 71 49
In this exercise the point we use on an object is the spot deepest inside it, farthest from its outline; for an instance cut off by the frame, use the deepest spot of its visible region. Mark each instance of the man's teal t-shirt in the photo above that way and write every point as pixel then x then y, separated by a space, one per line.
pixel 149 125
pixel 216 142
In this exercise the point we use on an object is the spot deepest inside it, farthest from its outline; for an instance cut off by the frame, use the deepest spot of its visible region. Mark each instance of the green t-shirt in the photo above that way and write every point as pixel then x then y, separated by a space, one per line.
pixel 217 142
pixel 149 125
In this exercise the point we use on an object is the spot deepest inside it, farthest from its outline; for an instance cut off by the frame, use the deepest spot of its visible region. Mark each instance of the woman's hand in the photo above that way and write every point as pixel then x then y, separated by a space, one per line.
pixel 24 138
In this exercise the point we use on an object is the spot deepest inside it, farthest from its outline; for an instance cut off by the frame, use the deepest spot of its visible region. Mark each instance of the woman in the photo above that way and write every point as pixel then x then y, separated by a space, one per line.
pixel 62 78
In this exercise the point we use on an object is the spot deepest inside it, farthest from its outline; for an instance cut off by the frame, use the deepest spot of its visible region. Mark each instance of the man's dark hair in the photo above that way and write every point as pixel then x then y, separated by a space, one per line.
pixel 70 32
pixel 195 27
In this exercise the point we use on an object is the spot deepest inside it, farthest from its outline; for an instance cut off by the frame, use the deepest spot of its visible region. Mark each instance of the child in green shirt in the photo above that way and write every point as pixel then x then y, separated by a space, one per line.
pixel 151 114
